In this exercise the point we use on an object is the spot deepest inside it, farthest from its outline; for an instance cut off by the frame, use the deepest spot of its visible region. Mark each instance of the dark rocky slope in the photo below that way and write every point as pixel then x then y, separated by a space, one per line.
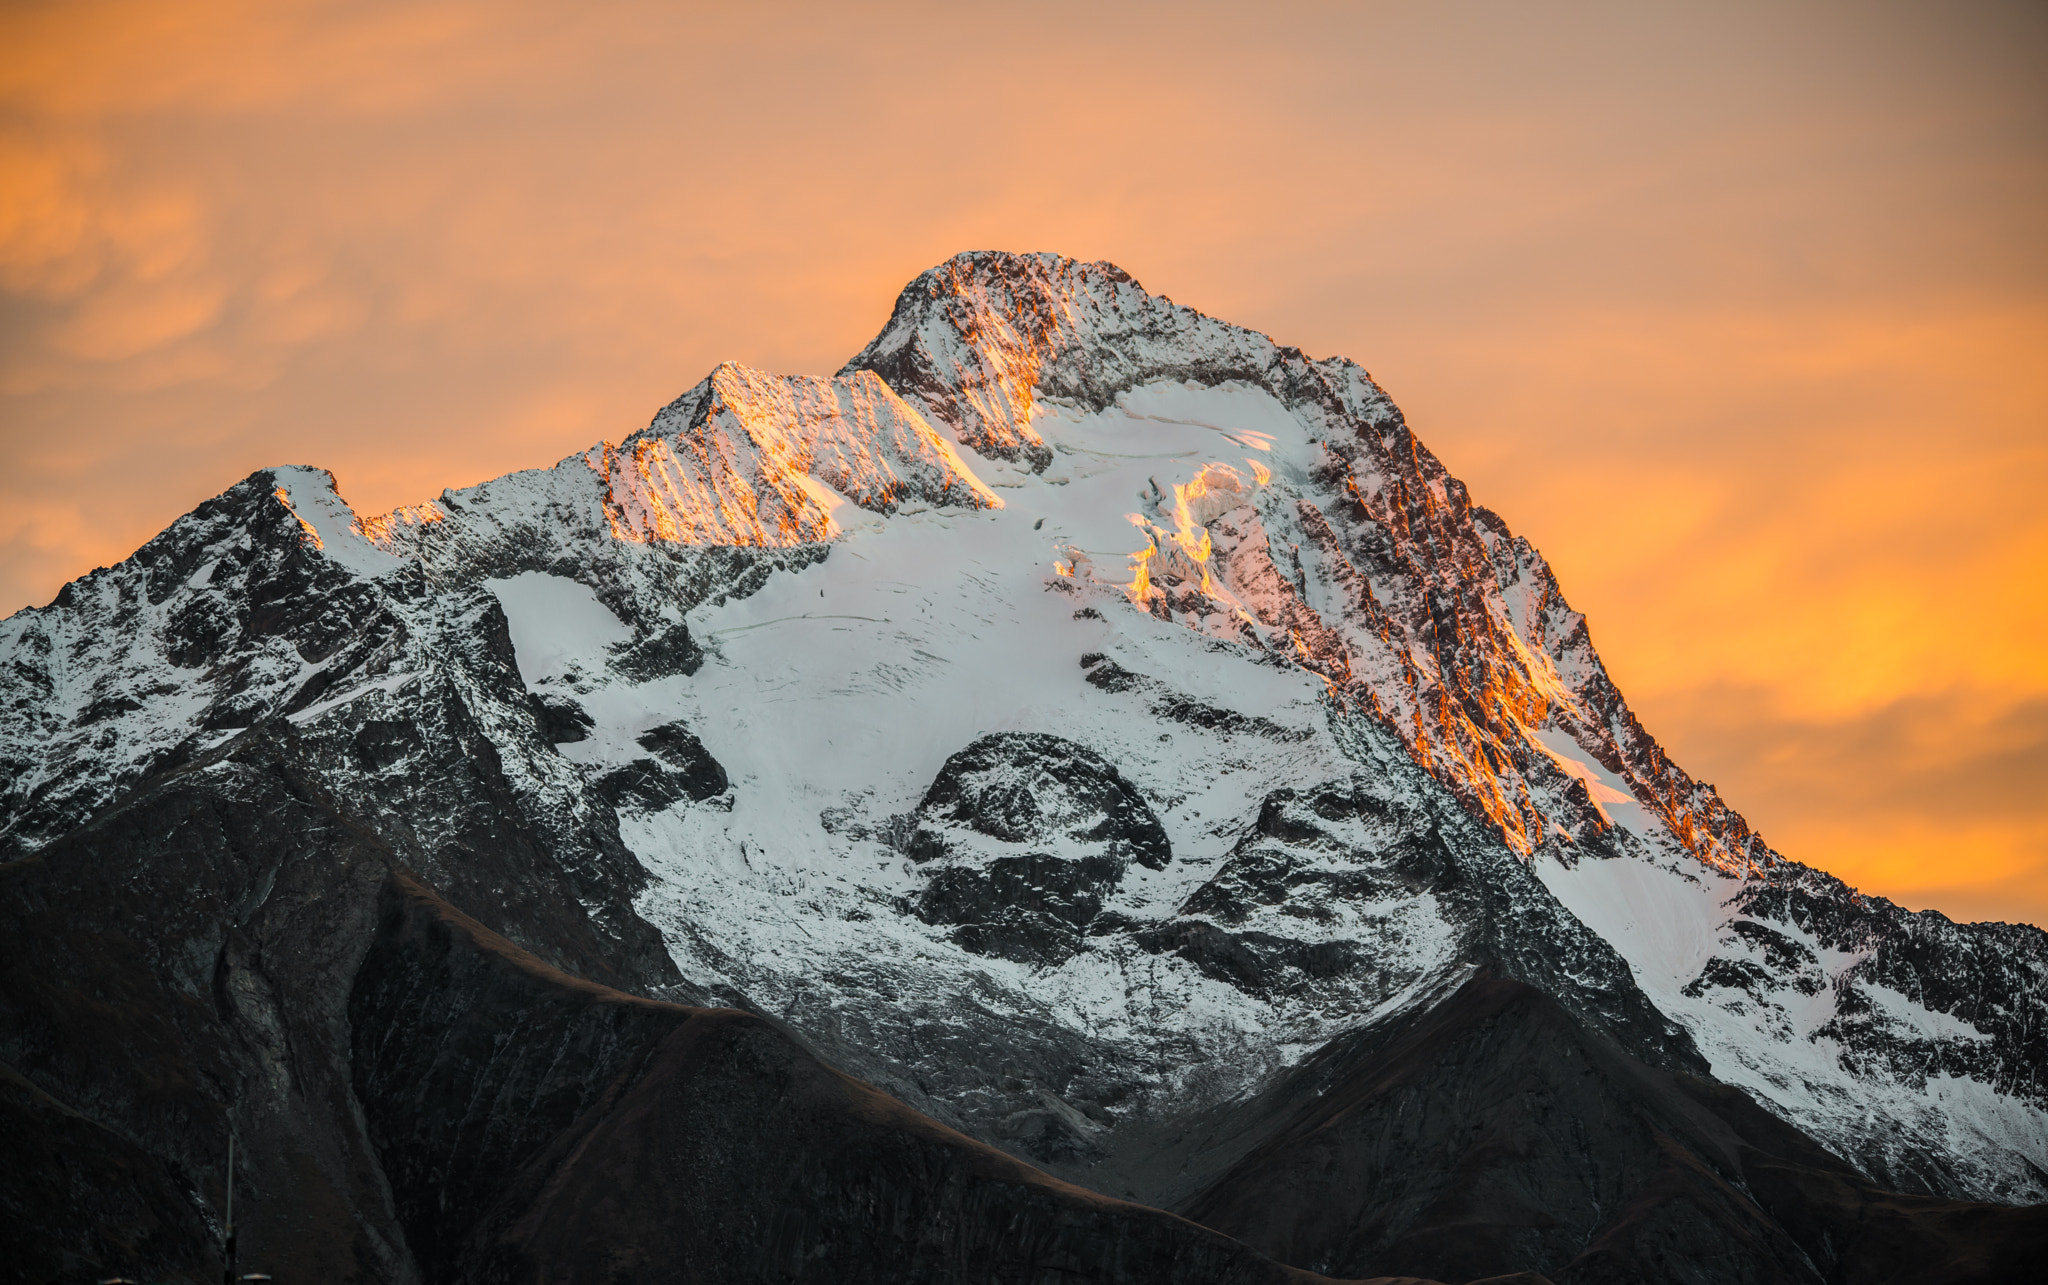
pixel 444 757
pixel 540 1128
pixel 1023 836
pixel 177 970
pixel 80 1196
pixel 1497 1134
pixel 416 1098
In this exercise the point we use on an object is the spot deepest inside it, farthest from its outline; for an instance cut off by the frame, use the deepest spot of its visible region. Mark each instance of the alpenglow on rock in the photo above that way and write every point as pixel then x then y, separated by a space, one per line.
pixel 1105 731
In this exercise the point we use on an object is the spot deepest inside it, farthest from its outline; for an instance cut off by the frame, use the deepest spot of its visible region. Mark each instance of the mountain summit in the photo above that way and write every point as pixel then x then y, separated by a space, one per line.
pixel 1110 735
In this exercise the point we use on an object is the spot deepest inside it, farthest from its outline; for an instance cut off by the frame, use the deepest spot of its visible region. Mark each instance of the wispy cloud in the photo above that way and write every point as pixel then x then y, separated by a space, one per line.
pixel 1739 312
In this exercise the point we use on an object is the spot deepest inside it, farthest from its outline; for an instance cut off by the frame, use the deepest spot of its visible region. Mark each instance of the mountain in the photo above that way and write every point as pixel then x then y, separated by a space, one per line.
pixel 1109 735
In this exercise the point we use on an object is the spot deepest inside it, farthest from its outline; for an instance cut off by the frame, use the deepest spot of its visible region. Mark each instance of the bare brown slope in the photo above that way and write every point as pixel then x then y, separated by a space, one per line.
pixel 1495 1134
pixel 540 1128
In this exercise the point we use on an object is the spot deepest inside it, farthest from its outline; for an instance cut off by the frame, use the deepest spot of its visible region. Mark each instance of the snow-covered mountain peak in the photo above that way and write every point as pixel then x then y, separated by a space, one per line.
pixel 1366 562
pixel 981 339
pixel 1047 527
pixel 329 522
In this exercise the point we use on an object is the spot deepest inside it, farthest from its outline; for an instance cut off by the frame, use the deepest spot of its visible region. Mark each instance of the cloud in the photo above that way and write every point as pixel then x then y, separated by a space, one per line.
pixel 1737 312
pixel 1931 798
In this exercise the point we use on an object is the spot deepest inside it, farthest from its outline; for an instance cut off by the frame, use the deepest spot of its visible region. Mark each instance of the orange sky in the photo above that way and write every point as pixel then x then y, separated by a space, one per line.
pixel 1739 311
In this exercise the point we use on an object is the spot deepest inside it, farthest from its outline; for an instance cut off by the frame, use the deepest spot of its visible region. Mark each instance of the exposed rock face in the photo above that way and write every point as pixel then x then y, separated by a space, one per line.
pixel 1340 854
pixel 1087 722
pixel 681 768
pixel 1987 980
pixel 1028 834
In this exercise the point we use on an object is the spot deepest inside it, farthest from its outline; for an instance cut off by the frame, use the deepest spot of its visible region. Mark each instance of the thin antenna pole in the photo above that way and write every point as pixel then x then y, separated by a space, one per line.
pixel 227 1274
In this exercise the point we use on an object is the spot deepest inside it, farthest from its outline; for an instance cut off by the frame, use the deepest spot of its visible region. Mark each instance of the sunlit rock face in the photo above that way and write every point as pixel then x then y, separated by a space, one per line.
pixel 753 458
pixel 743 459
pixel 1423 607
pixel 1074 718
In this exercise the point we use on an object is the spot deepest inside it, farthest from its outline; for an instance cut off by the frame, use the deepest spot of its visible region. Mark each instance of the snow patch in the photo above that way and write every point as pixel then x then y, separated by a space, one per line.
pixel 311 496
pixel 557 624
